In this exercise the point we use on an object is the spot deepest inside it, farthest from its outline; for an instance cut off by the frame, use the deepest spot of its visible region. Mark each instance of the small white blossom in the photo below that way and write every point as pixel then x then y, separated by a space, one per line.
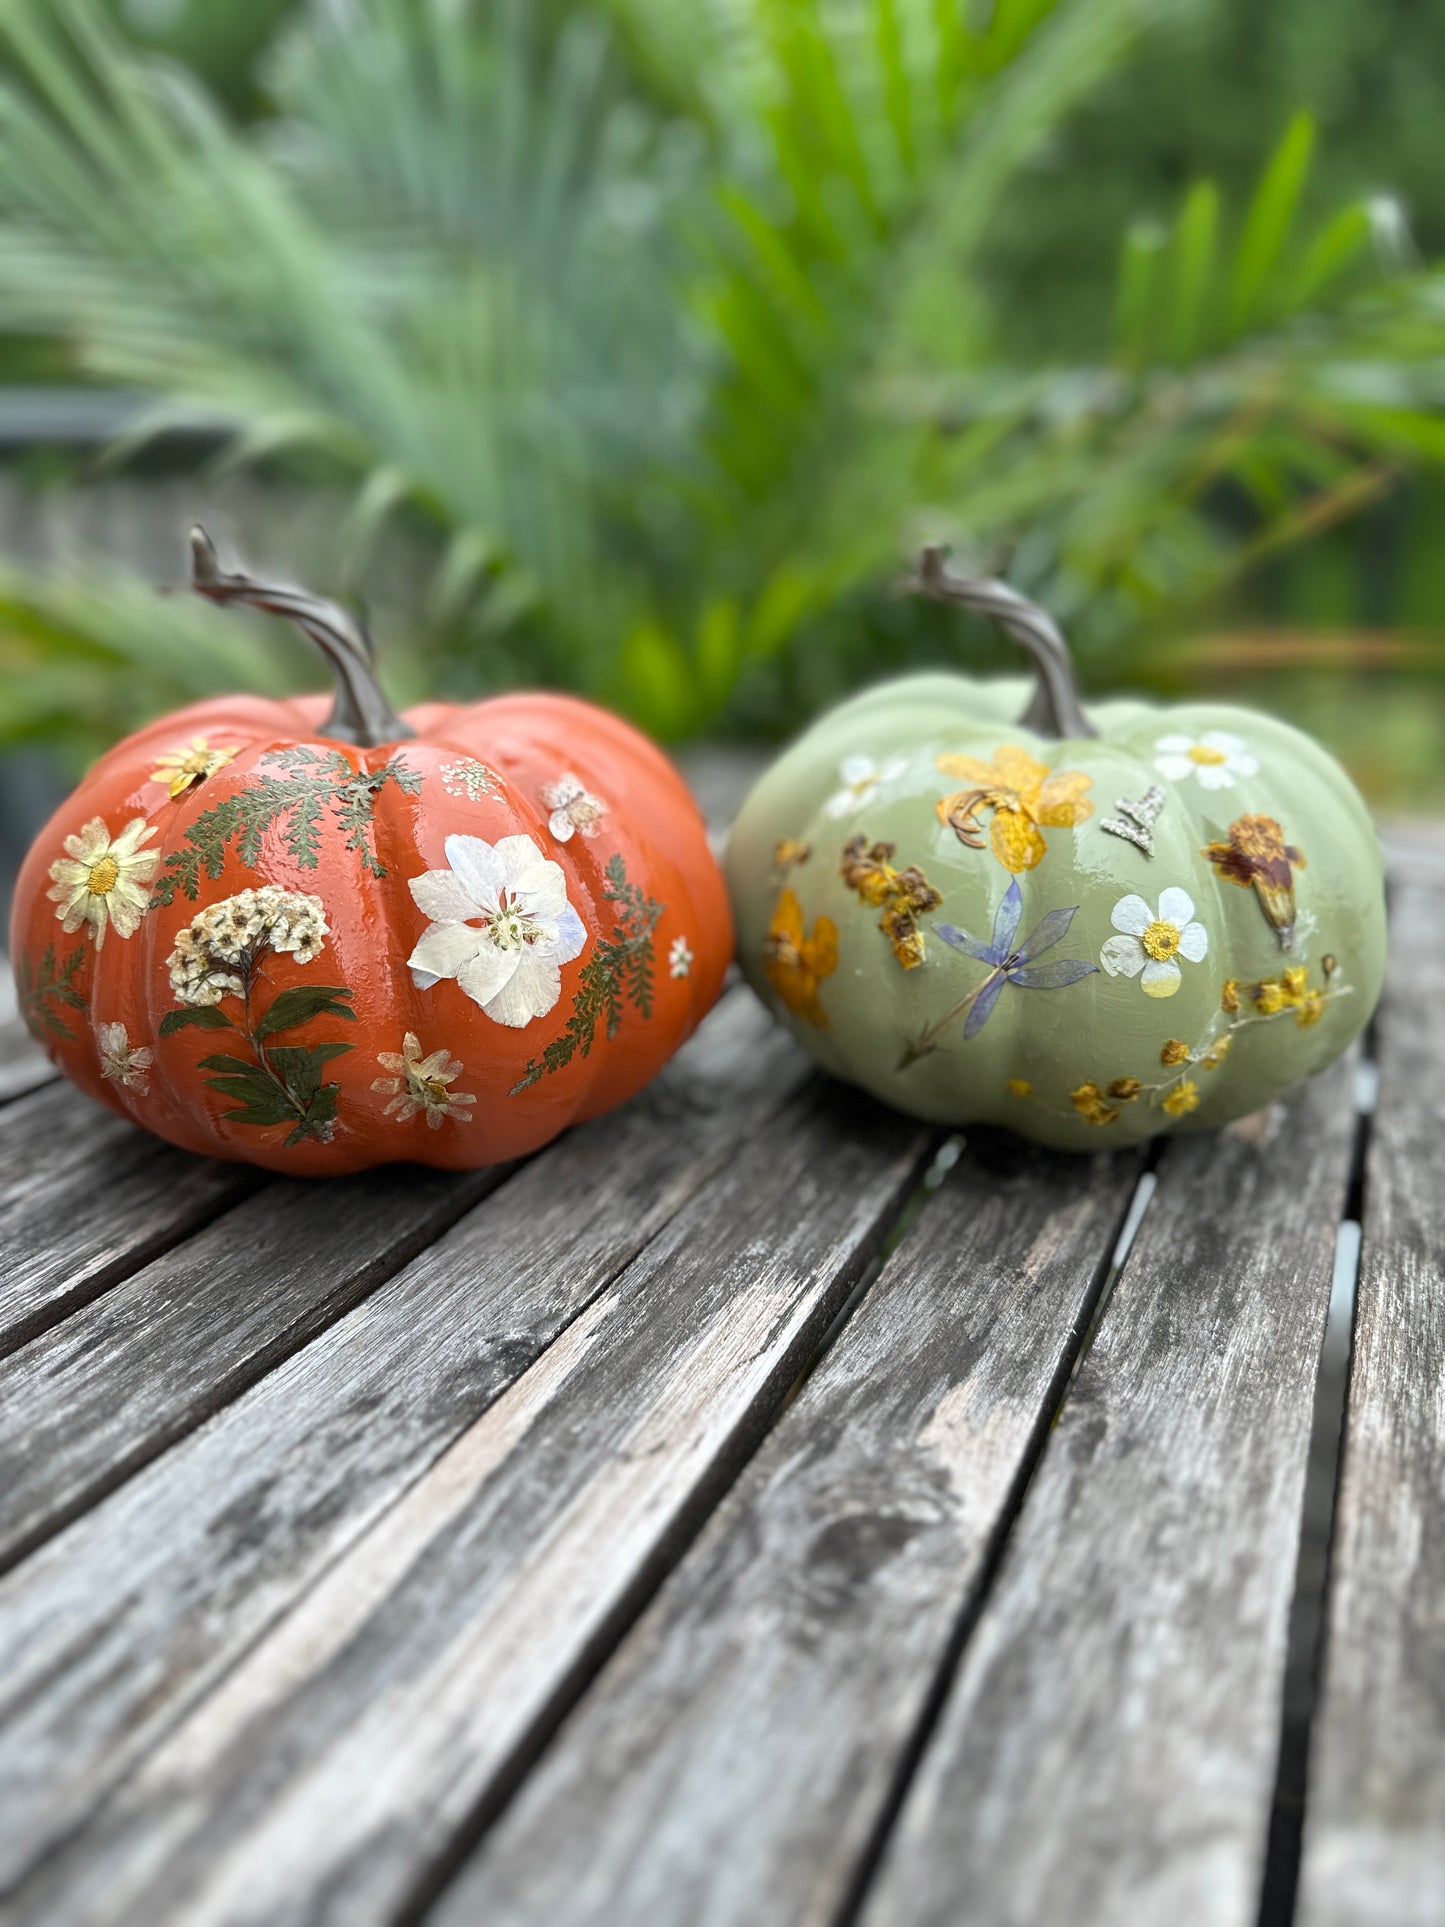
pixel 1213 759
pixel 99 881
pixel 467 777
pixel 501 926
pixel 213 955
pixel 860 776
pixel 122 1064
pixel 420 1084
pixel 679 958
pixel 573 807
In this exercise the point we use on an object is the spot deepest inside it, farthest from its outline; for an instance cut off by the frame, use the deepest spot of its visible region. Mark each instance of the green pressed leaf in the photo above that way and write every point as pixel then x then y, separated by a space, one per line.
pixel 299 1066
pixel 219 1061
pixel 206 1017
pixel 302 1002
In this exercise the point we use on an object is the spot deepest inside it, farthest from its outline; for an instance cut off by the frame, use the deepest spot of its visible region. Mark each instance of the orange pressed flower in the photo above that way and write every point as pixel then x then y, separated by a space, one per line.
pixel 1257 857
pixel 1026 798
pixel 797 964
pixel 902 895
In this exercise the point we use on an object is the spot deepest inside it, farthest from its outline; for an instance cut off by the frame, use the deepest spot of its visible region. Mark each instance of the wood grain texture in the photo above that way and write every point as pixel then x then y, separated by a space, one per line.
pixel 1374 1844
pixel 85 1199
pixel 116 1628
pixel 341 1757
pixel 732 1763
pixel 90 1401
pixel 1109 1745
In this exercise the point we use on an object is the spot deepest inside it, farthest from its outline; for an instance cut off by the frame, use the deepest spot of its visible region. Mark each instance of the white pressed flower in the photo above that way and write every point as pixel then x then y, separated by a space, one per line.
pixel 573 807
pixel 1213 759
pixel 467 777
pixel 99 880
pixel 420 1083
pixel 679 958
pixel 120 1063
pixel 1148 944
pixel 213 955
pixel 860 776
pixel 501 926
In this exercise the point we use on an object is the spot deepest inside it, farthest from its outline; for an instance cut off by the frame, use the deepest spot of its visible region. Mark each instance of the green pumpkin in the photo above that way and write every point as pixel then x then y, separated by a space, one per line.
pixel 1088 929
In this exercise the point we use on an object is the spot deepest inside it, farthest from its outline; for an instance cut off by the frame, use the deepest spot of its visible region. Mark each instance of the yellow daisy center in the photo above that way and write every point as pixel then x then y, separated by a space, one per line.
pixel 103 877
pixel 1202 753
pixel 1161 940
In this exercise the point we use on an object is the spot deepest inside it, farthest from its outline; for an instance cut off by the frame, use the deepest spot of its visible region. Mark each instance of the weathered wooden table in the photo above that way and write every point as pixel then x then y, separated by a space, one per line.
pixel 749 1510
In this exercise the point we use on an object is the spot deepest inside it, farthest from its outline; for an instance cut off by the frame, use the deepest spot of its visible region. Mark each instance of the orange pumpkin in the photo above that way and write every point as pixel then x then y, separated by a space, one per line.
pixel 320 941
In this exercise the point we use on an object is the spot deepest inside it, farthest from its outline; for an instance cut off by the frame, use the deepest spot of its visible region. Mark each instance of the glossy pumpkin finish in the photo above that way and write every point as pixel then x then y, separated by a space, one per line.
pixel 443 946
pixel 950 907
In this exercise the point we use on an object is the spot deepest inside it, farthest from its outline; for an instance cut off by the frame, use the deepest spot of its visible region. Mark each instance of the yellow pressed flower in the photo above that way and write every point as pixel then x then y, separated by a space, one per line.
pixel 1019 1087
pixel 1088 1101
pixel 797 964
pixel 1182 1099
pixel 1124 1090
pixel 99 881
pixel 788 851
pixel 1026 798
pixel 1269 997
pixel 1311 1009
pixel 1176 1051
pixel 179 768
pixel 1218 1051
pixel 1295 981
pixel 1229 996
pixel 902 895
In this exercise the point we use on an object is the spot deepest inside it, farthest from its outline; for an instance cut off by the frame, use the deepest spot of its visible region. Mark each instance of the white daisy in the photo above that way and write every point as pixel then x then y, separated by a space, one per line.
pixel 1214 759
pixel 119 1062
pixel 501 926
pixel 1150 943
pixel 573 807
pixel 860 776
pixel 99 881
pixel 679 958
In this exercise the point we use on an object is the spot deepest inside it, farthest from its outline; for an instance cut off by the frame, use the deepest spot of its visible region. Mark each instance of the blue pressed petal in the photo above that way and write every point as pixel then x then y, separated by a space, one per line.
pixel 1053 976
pixel 982 1008
pixel 958 939
pixel 1046 933
pixel 1007 920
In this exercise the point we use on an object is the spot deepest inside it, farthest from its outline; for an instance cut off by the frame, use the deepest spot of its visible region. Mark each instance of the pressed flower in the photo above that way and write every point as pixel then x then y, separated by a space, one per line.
pixel 1019 1087
pixel 99 880
pixel 1182 1099
pixel 795 963
pixel 574 809
pixel 902 895
pixel 1124 1090
pixel 1149 943
pixel 1229 996
pixel 179 769
pixel 1010 963
pixel 1311 1008
pixel 859 777
pixel 501 926
pixel 419 1085
pixel 469 778
pixel 1088 1101
pixel 679 958
pixel 1026 798
pixel 1295 982
pixel 1176 1051
pixel 216 952
pixel 120 1063
pixel 1269 997
pixel 1217 1052
pixel 788 853
pixel 1257 857
pixel 1214 759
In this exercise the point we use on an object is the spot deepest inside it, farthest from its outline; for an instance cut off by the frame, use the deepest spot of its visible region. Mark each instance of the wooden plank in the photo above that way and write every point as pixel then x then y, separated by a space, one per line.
pixel 115 1629
pixel 1374 1842
pixel 85 1199
pixel 339 1759
pixel 732 1763
pixel 1109 1744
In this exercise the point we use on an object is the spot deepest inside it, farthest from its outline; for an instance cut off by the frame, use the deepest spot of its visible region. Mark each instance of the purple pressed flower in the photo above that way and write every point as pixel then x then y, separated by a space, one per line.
pixel 1011 963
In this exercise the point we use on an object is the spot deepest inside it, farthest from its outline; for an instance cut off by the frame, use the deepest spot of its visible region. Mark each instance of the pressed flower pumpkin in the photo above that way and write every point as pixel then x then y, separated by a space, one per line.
pixel 320 940
pixel 1091 928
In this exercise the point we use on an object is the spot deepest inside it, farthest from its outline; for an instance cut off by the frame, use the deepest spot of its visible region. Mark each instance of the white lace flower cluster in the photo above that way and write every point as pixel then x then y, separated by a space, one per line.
pixel 223 941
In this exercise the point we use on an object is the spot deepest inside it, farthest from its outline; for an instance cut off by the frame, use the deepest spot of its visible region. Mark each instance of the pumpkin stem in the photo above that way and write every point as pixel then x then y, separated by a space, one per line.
pixel 360 714
pixel 1055 709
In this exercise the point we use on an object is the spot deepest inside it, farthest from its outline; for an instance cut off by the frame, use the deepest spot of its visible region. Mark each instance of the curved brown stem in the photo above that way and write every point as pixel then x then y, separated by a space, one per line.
pixel 361 714
pixel 1055 709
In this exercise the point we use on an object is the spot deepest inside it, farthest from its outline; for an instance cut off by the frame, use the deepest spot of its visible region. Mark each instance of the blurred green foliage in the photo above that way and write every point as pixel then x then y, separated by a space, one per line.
pixel 667 331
